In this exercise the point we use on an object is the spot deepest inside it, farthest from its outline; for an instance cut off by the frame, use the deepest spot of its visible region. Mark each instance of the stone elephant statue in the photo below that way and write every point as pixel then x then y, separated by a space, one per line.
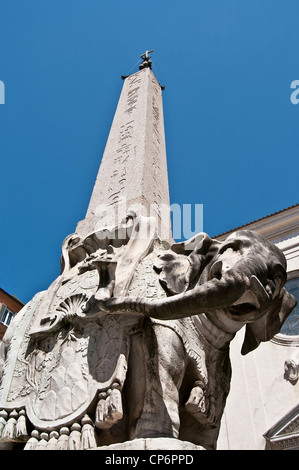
pixel 212 289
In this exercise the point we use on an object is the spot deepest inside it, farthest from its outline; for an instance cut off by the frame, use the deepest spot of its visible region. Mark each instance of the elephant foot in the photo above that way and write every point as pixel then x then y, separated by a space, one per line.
pixel 109 408
pixel 198 405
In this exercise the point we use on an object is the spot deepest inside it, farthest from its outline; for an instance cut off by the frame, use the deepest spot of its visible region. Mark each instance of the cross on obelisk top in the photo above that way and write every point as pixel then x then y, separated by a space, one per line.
pixel 133 171
pixel 146 60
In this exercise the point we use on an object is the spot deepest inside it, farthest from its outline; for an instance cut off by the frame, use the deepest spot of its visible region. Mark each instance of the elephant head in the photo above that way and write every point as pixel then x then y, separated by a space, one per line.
pixel 236 282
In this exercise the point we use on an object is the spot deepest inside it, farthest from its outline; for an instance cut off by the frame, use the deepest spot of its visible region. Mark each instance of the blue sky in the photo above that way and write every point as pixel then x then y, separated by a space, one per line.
pixel 231 129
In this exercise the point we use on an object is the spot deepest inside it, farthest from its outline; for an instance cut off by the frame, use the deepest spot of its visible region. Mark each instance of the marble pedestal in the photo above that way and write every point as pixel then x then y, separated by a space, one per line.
pixel 152 443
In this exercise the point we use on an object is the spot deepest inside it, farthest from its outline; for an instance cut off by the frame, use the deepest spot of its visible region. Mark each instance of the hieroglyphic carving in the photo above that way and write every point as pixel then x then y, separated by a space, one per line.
pixel 156 150
pixel 133 171
pixel 126 132
pixel 132 100
pixel 125 148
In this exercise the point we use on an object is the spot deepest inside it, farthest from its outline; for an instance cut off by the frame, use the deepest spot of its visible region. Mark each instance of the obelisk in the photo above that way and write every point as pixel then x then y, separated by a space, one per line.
pixel 133 171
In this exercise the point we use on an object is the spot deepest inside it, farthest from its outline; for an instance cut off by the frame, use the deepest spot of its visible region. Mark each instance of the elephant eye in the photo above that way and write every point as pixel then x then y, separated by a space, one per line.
pixel 278 272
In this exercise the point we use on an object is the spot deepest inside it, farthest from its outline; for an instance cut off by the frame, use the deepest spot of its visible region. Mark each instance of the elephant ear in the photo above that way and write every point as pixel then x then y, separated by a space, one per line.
pixel 269 324
pixel 201 250
pixel 179 266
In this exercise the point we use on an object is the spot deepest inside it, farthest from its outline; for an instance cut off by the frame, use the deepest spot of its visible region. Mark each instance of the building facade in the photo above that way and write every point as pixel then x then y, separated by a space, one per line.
pixel 262 410
pixel 9 306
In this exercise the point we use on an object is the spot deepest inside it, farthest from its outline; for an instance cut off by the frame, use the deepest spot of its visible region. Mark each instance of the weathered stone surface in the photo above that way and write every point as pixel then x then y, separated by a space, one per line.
pixel 154 362
pixel 234 283
pixel 133 170
pixel 157 443
pixel 129 346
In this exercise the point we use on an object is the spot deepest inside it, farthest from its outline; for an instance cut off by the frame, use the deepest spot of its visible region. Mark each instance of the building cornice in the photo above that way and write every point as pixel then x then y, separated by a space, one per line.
pixel 284 435
pixel 275 227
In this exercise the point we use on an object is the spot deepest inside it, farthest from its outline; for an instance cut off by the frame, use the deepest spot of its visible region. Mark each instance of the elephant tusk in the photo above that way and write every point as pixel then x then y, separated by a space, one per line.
pixel 216 270
pixel 258 289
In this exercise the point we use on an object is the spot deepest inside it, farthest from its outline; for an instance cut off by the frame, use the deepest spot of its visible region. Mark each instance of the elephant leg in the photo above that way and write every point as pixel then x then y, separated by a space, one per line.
pixel 165 363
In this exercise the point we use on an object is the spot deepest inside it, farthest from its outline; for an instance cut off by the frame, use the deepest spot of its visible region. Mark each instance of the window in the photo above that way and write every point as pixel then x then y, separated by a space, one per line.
pixel 5 315
pixel 291 325
pixel 289 333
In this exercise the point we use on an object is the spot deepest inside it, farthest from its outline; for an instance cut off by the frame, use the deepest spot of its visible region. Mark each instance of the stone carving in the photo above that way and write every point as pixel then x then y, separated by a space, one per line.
pixel 131 341
pixel 62 353
pixel 133 170
pixel 291 371
pixel 212 290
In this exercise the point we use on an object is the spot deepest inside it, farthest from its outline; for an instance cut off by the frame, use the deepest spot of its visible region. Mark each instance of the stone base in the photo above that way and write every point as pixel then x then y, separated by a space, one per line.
pixel 153 443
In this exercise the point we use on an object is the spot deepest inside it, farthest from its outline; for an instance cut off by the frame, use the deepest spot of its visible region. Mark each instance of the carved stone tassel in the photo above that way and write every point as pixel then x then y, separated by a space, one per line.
pixel 32 442
pixel 53 441
pixel 9 431
pixel 3 420
pixel 21 429
pixel 42 443
pixel 88 439
pixel 102 411
pixel 115 404
pixel 75 437
pixel 109 408
pixel 63 439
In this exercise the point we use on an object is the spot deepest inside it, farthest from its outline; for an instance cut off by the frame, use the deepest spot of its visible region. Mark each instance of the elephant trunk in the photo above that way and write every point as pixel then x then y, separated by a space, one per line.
pixel 213 294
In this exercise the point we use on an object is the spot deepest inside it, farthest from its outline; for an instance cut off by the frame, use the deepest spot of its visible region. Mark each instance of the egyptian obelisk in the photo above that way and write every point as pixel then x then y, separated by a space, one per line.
pixel 68 365
pixel 133 170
